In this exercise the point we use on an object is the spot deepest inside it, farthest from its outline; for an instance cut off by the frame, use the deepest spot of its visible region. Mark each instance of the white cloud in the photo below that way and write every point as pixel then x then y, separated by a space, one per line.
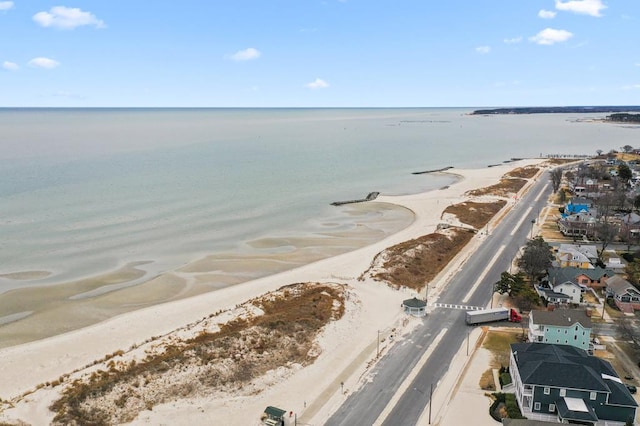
pixel 67 18
pixel 583 7
pixel 513 40
pixel 246 54
pixel 10 66
pixel 551 36
pixel 318 83
pixel 44 63
pixel 547 14
pixel 483 49
pixel 6 5
pixel 632 87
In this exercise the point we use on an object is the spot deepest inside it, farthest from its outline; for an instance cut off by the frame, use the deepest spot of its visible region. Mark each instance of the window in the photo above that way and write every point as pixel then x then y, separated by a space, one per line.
pixel 563 392
pixel 552 408
pixel 575 337
pixel 592 396
pixel 547 390
pixel 536 406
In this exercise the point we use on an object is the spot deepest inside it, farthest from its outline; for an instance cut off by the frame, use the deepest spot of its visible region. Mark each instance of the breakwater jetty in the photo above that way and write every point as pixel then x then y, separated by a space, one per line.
pixel 372 196
pixel 433 171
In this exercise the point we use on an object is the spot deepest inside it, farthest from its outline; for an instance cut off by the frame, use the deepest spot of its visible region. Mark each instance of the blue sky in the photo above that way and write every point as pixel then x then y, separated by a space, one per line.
pixel 319 53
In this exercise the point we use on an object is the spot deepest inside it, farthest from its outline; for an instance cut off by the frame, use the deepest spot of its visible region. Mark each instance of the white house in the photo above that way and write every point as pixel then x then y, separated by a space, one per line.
pixel 573 290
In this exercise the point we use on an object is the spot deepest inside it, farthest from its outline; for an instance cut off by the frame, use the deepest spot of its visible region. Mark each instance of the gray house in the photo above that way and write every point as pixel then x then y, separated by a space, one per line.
pixel 561 383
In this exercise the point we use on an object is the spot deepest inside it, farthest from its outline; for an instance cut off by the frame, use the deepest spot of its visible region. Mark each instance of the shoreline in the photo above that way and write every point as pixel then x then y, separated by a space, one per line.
pixel 26 366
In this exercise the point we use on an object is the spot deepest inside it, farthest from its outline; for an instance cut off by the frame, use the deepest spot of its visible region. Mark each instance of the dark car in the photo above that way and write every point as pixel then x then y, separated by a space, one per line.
pixel 632 388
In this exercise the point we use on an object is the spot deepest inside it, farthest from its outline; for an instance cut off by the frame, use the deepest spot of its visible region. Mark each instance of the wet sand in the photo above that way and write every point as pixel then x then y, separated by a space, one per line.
pixel 37 312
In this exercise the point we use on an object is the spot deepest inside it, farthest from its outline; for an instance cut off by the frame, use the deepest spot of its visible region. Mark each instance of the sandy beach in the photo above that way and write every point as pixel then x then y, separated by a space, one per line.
pixel 348 345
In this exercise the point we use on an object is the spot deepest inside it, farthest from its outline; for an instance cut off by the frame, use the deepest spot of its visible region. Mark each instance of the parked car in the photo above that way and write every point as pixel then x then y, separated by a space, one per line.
pixel 632 388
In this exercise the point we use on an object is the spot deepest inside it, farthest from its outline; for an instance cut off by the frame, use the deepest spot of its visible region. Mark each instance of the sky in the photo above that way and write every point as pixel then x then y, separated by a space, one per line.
pixel 319 53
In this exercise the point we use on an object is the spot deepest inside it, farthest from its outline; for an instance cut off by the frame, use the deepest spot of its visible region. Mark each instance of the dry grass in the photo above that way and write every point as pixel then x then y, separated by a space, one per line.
pixel 415 262
pixel 277 330
pixel 498 342
pixel 559 161
pixel 475 214
pixel 505 188
pixel 523 172
pixel 486 381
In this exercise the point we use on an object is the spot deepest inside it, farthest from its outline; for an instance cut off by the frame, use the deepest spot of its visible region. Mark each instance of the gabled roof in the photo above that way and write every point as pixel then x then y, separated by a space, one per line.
pixel 275 412
pixel 550 294
pixel 632 218
pixel 570 273
pixel 588 250
pixel 561 317
pixel 619 285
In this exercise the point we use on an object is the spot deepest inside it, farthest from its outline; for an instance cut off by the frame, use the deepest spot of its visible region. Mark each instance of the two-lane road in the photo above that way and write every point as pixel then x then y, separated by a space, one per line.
pixel 376 402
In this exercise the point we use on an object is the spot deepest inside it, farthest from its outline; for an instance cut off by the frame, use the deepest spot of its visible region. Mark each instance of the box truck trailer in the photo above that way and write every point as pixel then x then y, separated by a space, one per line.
pixel 490 315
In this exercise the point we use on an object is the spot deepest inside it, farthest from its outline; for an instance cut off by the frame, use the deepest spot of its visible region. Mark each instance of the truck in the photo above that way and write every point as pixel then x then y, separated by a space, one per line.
pixel 490 315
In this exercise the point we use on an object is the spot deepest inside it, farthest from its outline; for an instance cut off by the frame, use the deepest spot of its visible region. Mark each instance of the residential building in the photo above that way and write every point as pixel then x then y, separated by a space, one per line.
pixel 563 384
pixel 561 326
pixel 576 255
pixel 625 295
pixel 590 277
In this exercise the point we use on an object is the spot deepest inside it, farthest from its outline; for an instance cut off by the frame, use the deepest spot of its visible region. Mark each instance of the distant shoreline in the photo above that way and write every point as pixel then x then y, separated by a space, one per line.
pixel 557 110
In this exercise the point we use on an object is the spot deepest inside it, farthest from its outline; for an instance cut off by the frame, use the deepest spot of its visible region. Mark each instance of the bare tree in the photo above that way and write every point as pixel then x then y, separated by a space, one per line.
pixel 556 178
pixel 536 258
pixel 606 233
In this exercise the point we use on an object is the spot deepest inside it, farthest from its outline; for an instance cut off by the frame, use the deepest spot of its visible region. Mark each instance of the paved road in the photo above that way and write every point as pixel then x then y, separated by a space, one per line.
pixel 365 406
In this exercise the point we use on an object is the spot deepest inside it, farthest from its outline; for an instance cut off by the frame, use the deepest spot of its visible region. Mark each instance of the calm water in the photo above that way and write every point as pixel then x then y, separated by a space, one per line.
pixel 86 191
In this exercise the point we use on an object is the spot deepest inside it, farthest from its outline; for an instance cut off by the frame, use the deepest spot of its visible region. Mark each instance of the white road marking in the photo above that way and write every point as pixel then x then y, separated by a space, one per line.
pixel 407 382
pixel 484 273
pixel 541 192
pixel 524 216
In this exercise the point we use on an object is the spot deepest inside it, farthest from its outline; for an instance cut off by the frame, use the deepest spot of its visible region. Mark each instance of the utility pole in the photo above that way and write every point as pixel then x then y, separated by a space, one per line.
pixel 430 402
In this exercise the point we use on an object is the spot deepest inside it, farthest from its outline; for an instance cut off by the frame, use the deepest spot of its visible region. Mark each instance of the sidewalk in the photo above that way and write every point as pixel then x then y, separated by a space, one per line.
pixel 467 404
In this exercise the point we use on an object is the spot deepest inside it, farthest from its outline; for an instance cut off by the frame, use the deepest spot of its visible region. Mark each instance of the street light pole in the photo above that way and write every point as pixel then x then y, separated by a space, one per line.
pixel 532 223
pixel 378 352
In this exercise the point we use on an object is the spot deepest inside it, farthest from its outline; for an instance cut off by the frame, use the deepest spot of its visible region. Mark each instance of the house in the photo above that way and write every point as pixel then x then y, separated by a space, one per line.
pixel 576 255
pixel 415 307
pixel 553 297
pixel 616 264
pixel 578 225
pixel 560 326
pixel 570 289
pixel 573 207
pixel 589 277
pixel 625 295
pixel 563 384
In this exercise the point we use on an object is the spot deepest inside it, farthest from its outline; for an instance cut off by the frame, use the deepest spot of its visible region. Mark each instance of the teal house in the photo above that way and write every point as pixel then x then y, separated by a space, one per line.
pixel 561 326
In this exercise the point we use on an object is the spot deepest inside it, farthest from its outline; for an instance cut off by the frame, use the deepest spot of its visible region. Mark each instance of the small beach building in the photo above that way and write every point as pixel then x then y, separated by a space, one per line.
pixel 415 307
pixel 273 416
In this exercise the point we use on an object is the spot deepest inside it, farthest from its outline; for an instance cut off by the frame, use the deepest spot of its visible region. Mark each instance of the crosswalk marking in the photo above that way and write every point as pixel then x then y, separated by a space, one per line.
pixel 454 306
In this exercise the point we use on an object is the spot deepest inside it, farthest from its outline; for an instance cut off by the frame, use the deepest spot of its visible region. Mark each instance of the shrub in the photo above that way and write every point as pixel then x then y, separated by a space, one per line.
pixel 505 379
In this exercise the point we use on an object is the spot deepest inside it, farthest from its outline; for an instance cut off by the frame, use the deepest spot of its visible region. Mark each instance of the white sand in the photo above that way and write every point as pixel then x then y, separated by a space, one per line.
pixel 312 392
